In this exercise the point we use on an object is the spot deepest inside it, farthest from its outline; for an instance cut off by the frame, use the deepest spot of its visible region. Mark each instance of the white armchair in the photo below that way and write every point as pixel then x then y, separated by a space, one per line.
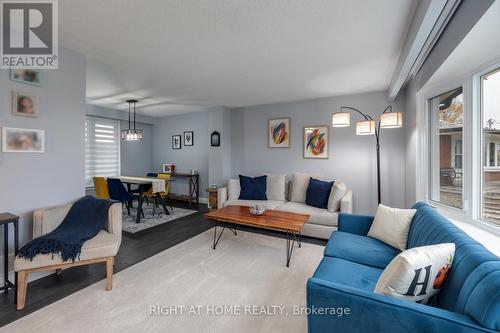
pixel 102 248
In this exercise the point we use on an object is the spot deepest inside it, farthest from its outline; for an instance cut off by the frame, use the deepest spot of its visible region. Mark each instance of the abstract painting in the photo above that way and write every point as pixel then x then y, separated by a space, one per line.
pixel 279 133
pixel 176 142
pixel 316 142
pixel 19 140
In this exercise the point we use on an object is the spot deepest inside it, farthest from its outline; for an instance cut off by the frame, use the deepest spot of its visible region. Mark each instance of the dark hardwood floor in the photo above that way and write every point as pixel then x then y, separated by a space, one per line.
pixel 134 249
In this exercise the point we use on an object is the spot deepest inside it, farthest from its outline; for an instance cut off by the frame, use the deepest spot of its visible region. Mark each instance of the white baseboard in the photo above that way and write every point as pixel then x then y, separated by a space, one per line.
pixel 204 200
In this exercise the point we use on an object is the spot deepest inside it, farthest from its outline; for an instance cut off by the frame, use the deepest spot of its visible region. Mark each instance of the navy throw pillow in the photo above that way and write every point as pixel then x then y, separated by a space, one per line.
pixel 318 193
pixel 253 188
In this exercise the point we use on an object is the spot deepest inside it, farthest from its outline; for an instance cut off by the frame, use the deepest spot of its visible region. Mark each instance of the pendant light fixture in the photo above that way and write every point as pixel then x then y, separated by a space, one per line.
pixel 132 134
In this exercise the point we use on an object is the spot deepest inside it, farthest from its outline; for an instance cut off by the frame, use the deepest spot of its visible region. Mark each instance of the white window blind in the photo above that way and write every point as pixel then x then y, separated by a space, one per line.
pixel 102 148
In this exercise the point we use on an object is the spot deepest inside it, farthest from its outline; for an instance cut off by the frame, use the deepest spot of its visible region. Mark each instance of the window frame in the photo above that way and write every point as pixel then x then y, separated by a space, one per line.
pixel 90 185
pixel 424 194
pixel 472 159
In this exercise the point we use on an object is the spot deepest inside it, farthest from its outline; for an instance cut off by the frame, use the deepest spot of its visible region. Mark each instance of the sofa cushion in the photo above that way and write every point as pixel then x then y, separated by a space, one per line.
pixel 233 189
pixel 300 184
pixel 361 249
pixel 269 204
pixel 253 188
pixel 391 225
pixel 102 245
pixel 338 191
pixel 348 273
pixel 276 187
pixel 417 274
pixel 316 215
pixel 318 192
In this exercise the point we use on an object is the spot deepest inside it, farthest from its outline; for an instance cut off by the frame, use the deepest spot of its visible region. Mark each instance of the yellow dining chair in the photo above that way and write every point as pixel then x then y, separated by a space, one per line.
pixel 165 194
pixel 101 188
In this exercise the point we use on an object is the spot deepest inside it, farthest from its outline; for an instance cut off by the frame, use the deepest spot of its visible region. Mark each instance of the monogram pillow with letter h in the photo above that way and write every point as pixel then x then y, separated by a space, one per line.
pixel 417 274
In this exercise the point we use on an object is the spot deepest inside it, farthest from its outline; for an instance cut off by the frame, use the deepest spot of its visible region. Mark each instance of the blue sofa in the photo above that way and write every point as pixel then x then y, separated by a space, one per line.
pixel 353 262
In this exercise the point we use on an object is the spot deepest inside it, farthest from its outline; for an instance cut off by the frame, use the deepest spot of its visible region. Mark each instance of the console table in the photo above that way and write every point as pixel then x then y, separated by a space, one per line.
pixel 5 219
pixel 194 186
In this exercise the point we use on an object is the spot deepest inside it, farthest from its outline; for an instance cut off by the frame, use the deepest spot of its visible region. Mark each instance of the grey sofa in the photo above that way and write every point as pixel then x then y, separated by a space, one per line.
pixel 322 222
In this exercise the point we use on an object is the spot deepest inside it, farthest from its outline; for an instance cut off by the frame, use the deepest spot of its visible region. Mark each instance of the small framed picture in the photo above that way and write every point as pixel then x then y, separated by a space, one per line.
pixel 25 105
pixel 27 76
pixel 188 138
pixel 215 139
pixel 20 140
pixel 168 168
pixel 278 133
pixel 176 142
pixel 316 142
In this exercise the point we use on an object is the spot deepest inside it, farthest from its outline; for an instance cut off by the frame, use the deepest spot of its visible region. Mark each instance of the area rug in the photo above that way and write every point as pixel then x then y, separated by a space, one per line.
pixel 163 293
pixel 150 220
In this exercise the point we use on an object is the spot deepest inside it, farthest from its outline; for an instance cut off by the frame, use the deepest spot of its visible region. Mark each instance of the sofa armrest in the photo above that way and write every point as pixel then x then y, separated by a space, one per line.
pixel 115 219
pixel 221 197
pixel 346 203
pixel 355 224
pixel 46 220
pixel 365 311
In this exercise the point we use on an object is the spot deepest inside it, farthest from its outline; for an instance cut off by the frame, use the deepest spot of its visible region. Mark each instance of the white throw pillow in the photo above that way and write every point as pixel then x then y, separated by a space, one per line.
pixel 275 187
pixel 339 190
pixel 233 189
pixel 300 184
pixel 417 274
pixel 391 226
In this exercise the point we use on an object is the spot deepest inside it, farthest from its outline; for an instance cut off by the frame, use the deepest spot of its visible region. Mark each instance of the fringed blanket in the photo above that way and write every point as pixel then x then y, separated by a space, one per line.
pixel 85 219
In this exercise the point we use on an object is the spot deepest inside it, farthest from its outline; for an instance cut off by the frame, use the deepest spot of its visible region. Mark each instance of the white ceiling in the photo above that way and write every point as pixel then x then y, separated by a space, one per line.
pixel 183 55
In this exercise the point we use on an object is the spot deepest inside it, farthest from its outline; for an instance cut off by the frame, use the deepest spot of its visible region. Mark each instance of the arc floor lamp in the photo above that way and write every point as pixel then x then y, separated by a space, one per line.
pixel 367 126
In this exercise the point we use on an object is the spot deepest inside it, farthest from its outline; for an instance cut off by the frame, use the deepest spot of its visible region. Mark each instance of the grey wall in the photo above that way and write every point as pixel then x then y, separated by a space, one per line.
pixel 30 181
pixel 219 158
pixel 137 156
pixel 351 158
pixel 466 16
pixel 190 157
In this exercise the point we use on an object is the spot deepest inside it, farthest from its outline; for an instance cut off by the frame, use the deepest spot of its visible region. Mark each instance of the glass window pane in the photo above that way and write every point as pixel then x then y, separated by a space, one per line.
pixel 490 196
pixel 445 160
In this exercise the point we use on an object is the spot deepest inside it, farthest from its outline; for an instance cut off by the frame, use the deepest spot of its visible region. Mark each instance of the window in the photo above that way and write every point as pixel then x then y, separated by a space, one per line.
pixel 446 115
pixel 458 155
pixel 102 148
pixel 490 127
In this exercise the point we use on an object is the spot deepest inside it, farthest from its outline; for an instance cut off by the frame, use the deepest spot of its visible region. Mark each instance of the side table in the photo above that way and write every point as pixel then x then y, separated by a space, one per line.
pixel 212 197
pixel 5 220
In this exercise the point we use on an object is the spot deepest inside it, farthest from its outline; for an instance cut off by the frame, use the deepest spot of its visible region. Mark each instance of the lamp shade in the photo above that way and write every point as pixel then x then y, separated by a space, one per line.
pixel 341 119
pixel 132 135
pixel 365 127
pixel 391 120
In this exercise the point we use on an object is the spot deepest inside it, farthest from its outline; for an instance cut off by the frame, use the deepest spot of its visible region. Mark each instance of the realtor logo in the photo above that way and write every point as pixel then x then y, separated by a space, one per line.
pixel 29 34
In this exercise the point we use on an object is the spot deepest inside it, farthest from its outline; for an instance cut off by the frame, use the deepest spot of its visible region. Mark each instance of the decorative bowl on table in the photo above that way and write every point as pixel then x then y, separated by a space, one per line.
pixel 257 210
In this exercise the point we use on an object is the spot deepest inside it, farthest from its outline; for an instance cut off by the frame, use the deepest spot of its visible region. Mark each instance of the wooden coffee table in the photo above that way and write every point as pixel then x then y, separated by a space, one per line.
pixel 232 216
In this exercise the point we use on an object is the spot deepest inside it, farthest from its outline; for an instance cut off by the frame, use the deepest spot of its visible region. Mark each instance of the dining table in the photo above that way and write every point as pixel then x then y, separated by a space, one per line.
pixel 144 184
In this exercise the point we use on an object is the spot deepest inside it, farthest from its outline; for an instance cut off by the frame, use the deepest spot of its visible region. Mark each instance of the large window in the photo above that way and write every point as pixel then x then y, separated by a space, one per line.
pixel 490 138
pixel 446 119
pixel 102 148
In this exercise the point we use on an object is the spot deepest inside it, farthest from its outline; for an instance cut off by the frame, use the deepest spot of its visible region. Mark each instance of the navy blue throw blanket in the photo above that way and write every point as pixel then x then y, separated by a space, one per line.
pixel 85 219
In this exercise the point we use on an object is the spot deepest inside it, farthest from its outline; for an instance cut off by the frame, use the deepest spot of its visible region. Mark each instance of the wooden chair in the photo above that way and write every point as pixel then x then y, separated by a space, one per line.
pixel 163 195
pixel 100 249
